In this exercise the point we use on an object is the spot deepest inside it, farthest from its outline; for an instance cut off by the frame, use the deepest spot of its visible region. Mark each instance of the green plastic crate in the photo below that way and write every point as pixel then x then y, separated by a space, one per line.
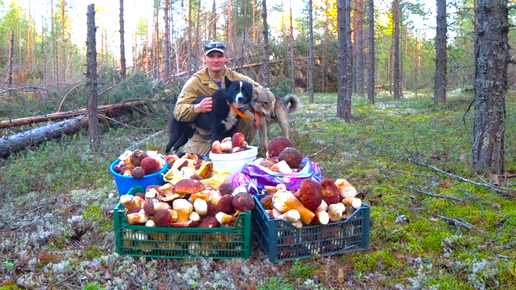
pixel 179 243
pixel 281 241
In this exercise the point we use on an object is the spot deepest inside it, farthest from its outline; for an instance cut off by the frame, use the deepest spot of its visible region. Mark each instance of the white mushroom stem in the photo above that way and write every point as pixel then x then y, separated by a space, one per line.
pixel 226 146
pixel 322 206
pixel 183 209
pixel 150 223
pixel 345 188
pixel 284 201
pixel 151 193
pixel 335 211
pixel 352 201
pixel 322 217
pixel 194 216
pixel 224 218
pixel 137 217
pixel 291 216
pixel 201 206
pixel 239 189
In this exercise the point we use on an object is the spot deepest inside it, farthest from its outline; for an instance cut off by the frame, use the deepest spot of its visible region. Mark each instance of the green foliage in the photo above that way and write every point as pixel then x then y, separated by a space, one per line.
pixel 274 284
pixel 93 286
pixel 10 287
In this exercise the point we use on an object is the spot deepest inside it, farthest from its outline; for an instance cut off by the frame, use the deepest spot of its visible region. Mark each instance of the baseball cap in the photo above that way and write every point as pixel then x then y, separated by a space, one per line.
pixel 214 46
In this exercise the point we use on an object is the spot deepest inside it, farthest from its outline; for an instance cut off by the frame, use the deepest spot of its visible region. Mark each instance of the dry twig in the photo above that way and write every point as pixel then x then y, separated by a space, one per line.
pixel 458 222
pixel 485 185
pixel 436 195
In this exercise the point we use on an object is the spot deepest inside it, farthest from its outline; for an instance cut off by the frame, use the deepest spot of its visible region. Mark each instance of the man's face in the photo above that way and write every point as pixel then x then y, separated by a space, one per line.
pixel 216 61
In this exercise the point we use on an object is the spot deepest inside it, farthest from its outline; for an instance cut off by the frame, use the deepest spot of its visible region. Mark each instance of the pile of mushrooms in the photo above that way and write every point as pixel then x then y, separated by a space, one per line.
pixel 233 144
pixel 188 203
pixel 139 163
pixel 282 157
pixel 313 204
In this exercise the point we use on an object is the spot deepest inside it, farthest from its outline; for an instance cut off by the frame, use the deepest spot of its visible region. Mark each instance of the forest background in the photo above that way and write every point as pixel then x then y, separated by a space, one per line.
pixel 429 230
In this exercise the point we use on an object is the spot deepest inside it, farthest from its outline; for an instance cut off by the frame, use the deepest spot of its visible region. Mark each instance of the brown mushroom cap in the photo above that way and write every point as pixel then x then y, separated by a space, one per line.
pixel 277 144
pixel 138 172
pixel 330 192
pixel 150 165
pixel 137 156
pixel 226 188
pixel 310 194
pixel 209 222
pixel 243 202
pixel 188 186
pixel 292 156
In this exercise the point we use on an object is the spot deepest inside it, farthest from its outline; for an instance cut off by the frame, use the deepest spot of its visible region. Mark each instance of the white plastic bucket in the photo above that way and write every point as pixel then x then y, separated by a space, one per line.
pixel 234 162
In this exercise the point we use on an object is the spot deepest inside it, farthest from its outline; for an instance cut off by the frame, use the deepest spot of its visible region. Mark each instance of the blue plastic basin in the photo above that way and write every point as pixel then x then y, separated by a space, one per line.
pixel 125 183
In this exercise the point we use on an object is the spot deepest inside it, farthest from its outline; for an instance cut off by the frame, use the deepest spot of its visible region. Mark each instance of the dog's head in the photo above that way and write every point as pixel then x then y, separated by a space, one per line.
pixel 262 103
pixel 239 93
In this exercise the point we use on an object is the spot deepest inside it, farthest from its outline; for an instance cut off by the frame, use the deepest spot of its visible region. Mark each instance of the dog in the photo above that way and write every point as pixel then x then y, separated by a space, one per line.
pixel 221 121
pixel 273 113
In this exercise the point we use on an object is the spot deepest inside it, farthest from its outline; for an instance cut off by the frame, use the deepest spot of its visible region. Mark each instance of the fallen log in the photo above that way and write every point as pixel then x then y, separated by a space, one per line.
pixel 66 115
pixel 36 136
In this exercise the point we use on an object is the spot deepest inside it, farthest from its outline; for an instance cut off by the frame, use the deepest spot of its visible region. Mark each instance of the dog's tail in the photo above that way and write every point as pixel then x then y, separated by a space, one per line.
pixel 292 102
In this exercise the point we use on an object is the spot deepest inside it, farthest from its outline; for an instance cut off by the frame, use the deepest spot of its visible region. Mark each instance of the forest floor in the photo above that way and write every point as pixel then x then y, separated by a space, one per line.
pixel 430 230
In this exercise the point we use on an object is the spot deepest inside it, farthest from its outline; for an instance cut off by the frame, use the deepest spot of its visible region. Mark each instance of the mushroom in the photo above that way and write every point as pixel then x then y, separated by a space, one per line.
pixel 346 189
pixel 166 192
pixel 266 201
pixel 281 167
pixel 291 216
pixel 277 144
pixel 183 209
pixel 243 202
pixel 224 218
pixel 201 206
pixel 209 222
pixel 291 156
pixel 352 201
pixel 137 218
pixel 336 210
pixel 330 192
pixel 130 201
pixel 165 217
pixel 309 194
pixel 322 206
pixel 284 201
pixel 185 187
pixel 322 217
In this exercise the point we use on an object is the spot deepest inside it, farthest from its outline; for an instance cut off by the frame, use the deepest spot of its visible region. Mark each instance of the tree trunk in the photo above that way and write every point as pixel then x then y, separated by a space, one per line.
pixel 122 42
pixel 11 52
pixel 105 110
pixel 491 61
pixel 349 58
pixel 310 69
pixel 323 45
pixel 147 56
pixel 266 66
pixel 213 33
pixel 155 39
pixel 416 65
pixel 254 20
pixel 189 54
pixel 370 53
pixel 29 38
pixel 440 53
pixel 359 47
pixel 396 38
pixel 167 43
pixel 36 136
pixel 343 102
pixel 230 25
pixel 292 75
pixel 197 36
pixel 91 75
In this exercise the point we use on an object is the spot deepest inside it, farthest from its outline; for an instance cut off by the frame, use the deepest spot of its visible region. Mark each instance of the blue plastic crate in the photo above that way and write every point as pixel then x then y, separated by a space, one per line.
pixel 281 241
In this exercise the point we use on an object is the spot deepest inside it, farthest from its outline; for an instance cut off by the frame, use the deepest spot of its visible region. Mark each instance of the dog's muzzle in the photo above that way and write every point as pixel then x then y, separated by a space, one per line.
pixel 239 98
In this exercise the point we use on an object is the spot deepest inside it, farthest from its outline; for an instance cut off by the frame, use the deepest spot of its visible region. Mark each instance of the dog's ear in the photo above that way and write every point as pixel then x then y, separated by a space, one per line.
pixel 227 82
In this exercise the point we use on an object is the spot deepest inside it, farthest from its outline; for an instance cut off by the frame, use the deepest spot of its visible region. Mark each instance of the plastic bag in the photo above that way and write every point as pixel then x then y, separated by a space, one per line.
pixel 174 175
pixel 254 174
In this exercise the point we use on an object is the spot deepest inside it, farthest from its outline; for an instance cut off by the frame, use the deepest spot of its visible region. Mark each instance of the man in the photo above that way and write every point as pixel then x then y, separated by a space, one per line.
pixel 204 83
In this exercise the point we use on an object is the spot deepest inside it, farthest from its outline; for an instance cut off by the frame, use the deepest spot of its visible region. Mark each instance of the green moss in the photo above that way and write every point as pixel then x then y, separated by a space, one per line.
pixel 274 284
pixel 94 252
pixel 93 213
pixel 10 287
pixel 93 286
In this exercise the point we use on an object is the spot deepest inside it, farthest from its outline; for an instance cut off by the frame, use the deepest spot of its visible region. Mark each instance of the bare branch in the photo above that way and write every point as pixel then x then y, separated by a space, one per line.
pixel 437 195
pixel 458 222
pixel 485 185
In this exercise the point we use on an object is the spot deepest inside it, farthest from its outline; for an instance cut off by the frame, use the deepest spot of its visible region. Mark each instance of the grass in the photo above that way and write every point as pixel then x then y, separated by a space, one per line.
pixel 373 152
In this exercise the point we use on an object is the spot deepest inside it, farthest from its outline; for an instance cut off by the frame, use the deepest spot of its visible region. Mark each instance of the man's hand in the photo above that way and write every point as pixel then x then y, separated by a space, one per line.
pixel 205 106
pixel 257 119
